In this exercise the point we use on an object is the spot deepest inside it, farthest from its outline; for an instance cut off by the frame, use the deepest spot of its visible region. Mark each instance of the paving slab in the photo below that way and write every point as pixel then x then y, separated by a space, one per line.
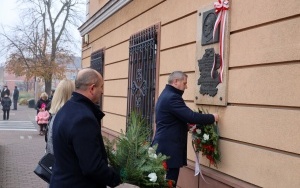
pixel 21 147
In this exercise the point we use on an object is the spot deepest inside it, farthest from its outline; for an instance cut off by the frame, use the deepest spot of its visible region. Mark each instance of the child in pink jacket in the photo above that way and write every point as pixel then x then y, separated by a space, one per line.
pixel 42 119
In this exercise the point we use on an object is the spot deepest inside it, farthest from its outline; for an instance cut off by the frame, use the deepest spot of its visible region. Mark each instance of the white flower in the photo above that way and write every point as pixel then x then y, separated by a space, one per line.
pixel 205 136
pixel 151 150
pixel 198 131
pixel 152 177
pixel 151 153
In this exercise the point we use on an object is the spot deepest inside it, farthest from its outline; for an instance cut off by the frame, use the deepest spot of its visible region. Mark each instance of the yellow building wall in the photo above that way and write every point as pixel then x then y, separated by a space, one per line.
pixel 260 142
pixel 95 5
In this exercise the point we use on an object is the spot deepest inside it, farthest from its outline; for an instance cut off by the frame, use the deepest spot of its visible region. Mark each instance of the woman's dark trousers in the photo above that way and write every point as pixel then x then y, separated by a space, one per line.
pixel 5 114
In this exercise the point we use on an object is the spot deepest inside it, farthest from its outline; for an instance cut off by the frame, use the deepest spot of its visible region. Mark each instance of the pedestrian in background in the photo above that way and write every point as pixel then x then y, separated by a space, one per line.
pixel 42 119
pixel 6 103
pixel 43 100
pixel 51 95
pixel 4 91
pixel 172 116
pixel 15 98
pixel 80 156
pixel 61 96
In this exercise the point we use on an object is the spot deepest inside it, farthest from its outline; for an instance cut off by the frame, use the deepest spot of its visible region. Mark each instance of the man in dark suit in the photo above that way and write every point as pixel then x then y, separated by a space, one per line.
pixel 172 116
pixel 15 98
pixel 81 159
pixel 5 91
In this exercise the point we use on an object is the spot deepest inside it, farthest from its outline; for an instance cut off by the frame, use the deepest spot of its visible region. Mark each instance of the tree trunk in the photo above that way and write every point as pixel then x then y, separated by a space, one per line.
pixel 48 86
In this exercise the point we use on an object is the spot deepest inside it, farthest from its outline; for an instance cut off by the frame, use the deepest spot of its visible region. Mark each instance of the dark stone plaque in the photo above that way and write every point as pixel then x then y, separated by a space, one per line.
pixel 208 22
pixel 208 84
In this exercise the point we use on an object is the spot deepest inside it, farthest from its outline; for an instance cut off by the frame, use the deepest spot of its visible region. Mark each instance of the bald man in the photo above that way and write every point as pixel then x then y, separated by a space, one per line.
pixel 81 159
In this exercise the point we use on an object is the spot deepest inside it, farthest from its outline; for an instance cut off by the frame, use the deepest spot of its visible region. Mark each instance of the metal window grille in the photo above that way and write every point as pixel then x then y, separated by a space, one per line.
pixel 142 74
pixel 97 63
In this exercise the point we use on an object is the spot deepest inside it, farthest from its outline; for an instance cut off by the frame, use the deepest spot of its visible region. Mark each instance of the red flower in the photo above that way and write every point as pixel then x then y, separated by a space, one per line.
pixel 210 158
pixel 164 163
pixel 170 183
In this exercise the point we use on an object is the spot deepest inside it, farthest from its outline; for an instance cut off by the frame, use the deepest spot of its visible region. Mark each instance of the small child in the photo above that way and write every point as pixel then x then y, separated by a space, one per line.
pixel 6 103
pixel 42 119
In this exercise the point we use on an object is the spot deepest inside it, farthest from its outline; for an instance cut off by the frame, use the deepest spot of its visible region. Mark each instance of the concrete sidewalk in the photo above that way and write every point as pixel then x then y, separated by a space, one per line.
pixel 21 147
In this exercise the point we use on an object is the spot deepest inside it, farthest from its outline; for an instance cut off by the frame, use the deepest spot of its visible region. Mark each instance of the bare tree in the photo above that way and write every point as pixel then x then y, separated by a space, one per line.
pixel 41 44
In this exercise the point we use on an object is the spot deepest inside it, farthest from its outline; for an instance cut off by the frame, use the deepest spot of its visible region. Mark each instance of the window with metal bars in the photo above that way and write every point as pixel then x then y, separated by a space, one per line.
pixel 142 74
pixel 97 63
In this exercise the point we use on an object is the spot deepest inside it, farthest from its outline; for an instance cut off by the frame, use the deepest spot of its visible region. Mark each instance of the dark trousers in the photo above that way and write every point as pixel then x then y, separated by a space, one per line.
pixel 43 127
pixel 15 104
pixel 172 174
pixel 5 114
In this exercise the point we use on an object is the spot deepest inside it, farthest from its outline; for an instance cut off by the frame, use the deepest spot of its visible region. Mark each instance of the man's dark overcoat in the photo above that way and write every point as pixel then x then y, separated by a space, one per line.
pixel 172 116
pixel 16 94
pixel 4 92
pixel 6 103
pixel 81 159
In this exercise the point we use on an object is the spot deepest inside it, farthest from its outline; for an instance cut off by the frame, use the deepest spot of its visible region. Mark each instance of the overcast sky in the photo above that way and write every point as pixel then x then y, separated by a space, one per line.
pixel 9 16
pixel 8 12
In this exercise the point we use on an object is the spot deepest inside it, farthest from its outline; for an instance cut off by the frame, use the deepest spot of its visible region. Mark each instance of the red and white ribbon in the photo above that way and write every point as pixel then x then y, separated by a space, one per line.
pixel 221 8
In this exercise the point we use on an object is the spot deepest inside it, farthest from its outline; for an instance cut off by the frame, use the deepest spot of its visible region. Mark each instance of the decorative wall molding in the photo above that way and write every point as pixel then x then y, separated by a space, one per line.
pixel 105 12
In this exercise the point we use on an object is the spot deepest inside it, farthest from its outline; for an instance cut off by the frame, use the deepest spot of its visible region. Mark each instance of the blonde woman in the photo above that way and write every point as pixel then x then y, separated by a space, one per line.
pixel 43 100
pixel 62 94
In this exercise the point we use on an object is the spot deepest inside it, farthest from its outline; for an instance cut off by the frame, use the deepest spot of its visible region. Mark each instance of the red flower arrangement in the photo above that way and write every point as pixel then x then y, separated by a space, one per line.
pixel 205 139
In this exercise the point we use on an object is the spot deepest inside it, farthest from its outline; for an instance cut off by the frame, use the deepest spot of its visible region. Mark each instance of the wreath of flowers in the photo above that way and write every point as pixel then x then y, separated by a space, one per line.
pixel 132 155
pixel 205 139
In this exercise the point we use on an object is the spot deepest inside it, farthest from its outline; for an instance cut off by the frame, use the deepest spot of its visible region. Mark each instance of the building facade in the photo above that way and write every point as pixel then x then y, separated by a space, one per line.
pixel 136 44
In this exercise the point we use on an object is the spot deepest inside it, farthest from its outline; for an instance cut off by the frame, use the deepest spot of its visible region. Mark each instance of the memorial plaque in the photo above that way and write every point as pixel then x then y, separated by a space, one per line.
pixel 209 76
pixel 209 90
pixel 209 19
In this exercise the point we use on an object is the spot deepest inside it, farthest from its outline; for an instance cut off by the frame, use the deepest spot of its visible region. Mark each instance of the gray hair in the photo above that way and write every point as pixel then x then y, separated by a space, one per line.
pixel 176 75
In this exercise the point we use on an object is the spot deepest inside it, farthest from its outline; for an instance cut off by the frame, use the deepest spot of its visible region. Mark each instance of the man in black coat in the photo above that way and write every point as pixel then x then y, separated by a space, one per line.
pixel 81 159
pixel 15 98
pixel 5 91
pixel 172 116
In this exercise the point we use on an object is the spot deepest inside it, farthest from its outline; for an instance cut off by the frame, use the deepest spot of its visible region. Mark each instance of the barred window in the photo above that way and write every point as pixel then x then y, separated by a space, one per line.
pixel 142 73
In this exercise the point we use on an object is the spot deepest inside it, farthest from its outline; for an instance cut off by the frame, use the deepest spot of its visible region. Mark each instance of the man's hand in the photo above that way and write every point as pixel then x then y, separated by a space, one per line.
pixel 191 127
pixel 216 117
